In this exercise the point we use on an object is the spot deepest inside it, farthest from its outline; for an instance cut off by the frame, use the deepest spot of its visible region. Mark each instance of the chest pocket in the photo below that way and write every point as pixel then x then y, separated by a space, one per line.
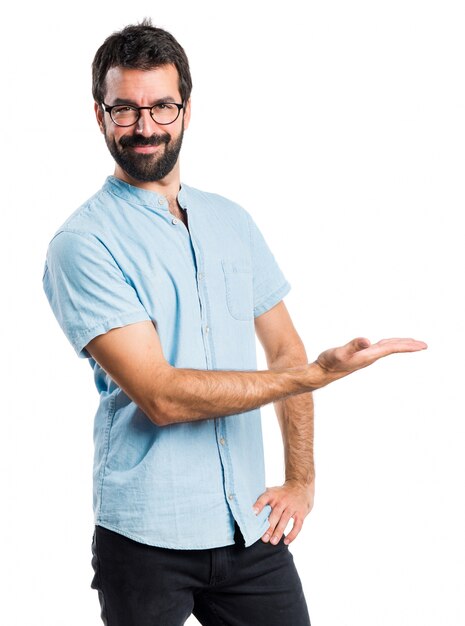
pixel 238 278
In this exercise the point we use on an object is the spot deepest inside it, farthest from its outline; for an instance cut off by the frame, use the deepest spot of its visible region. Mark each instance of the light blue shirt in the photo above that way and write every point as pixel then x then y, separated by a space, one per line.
pixel 121 258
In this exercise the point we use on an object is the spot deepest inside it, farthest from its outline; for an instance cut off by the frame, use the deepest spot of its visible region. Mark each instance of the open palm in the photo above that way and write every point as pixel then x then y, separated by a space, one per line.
pixel 360 352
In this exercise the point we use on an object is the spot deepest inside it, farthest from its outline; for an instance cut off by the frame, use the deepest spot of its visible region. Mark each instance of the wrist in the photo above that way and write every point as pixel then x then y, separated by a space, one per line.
pixel 304 484
pixel 316 376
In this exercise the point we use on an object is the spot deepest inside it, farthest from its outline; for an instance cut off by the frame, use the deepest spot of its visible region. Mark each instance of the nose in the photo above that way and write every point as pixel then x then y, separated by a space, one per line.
pixel 145 125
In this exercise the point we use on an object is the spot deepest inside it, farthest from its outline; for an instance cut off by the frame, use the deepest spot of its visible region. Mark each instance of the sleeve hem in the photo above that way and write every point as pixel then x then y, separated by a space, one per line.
pixel 272 299
pixel 82 339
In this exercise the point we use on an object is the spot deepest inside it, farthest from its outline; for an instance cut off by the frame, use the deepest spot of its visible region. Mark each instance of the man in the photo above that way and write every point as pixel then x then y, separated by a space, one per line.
pixel 163 288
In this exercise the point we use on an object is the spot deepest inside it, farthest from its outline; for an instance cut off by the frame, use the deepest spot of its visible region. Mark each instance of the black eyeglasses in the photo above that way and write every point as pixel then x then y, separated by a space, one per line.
pixel 128 115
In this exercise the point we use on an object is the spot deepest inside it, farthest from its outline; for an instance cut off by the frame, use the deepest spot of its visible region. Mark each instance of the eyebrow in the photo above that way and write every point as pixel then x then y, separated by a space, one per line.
pixel 134 103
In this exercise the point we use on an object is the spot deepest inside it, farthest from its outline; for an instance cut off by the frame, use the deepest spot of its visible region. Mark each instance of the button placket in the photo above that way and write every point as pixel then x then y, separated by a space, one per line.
pixel 222 442
pixel 200 277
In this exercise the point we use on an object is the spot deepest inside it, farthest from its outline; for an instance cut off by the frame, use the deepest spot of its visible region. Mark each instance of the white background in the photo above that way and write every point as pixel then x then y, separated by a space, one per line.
pixel 340 127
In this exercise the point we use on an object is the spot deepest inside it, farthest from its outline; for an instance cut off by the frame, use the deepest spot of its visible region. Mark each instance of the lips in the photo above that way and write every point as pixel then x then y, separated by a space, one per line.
pixel 145 149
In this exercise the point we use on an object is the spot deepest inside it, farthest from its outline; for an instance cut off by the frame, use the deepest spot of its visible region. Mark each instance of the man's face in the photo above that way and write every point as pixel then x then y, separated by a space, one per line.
pixel 146 151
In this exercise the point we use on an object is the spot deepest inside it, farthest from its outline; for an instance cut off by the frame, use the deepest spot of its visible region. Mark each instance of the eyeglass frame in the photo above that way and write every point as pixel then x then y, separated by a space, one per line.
pixel 108 109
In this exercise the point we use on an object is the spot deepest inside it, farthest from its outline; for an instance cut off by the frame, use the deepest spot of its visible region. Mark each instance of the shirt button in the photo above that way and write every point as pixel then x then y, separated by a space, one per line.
pixel 222 441
pixel 231 496
pixel 161 201
pixel 200 275
pixel 207 329
pixel 174 220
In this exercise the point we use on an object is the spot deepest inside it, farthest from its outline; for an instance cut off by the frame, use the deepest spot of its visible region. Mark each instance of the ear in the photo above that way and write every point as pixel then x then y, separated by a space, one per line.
pixel 99 115
pixel 187 114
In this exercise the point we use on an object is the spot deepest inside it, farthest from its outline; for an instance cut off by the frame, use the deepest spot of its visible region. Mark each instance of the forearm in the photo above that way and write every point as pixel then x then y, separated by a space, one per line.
pixel 295 416
pixel 191 395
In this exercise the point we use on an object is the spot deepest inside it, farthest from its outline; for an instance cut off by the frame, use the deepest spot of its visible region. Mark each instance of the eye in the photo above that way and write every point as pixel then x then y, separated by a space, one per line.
pixel 123 110
pixel 164 106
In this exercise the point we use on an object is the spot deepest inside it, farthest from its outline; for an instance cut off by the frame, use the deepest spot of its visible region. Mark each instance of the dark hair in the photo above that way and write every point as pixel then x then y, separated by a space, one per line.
pixel 143 47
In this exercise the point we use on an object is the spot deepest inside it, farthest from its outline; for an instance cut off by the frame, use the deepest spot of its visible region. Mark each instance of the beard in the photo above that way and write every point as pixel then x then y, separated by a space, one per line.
pixel 146 168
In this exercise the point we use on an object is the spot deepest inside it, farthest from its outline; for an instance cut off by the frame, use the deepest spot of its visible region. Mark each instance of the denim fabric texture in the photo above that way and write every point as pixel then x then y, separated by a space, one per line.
pixel 141 585
pixel 121 258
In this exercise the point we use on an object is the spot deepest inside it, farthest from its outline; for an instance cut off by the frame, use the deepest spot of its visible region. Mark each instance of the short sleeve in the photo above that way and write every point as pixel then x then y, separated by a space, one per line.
pixel 87 290
pixel 269 282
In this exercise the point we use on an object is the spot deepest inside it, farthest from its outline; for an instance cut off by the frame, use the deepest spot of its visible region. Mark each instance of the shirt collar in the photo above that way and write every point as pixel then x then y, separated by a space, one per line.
pixel 136 195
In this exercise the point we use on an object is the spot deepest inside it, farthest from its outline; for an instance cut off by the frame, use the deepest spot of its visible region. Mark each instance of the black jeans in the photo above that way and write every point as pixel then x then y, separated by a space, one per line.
pixel 140 585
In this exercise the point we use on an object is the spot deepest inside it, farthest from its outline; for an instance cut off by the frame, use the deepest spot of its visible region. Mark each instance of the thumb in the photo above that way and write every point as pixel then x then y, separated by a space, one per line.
pixel 360 343
pixel 261 502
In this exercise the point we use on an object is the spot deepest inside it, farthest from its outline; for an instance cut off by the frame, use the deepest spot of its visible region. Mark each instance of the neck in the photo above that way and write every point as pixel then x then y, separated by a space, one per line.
pixel 167 186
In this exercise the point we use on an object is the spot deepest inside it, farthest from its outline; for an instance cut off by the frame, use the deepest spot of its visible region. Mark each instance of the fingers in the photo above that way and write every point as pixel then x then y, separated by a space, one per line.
pixel 385 347
pixel 296 528
pixel 278 519
pixel 399 344
pixel 279 516
pixel 273 535
pixel 290 501
pixel 360 352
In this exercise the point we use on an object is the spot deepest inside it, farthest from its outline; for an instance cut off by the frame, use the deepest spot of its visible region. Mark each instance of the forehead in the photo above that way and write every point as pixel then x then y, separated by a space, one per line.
pixel 142 85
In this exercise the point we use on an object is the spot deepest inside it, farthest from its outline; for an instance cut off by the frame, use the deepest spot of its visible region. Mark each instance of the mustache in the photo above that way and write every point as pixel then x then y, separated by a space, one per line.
pixel 136 141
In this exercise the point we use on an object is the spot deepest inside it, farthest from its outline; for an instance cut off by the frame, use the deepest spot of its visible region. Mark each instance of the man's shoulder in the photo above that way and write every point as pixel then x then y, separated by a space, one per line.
pixel 89 218
pixel 212 200
pixel 84 235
